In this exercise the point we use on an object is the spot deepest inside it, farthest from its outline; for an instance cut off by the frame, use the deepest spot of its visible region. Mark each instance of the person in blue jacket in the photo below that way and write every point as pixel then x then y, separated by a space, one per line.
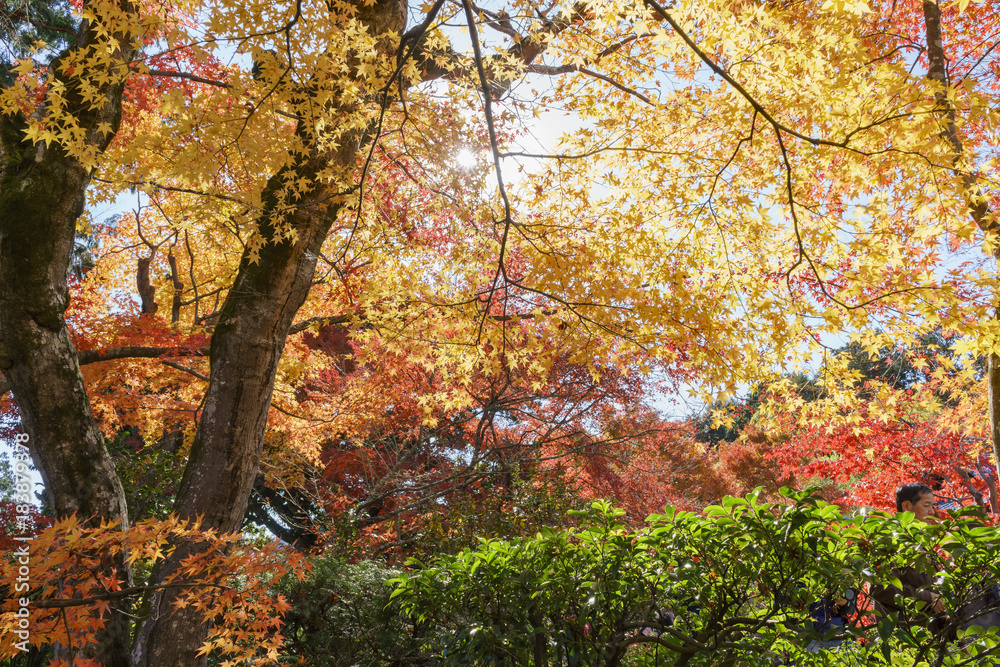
pixel 830 616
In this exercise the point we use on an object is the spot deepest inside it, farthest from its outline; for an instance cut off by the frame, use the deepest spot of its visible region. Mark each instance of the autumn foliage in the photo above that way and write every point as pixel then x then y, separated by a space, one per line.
pixel 324 269
pixel 227 582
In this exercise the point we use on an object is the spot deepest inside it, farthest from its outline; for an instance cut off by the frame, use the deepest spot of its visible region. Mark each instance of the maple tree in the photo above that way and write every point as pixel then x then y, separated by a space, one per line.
pixel 403 474
pixel 297 169
pixel 911 417
pixel 523 450
pixel 71 603
pixel 913 420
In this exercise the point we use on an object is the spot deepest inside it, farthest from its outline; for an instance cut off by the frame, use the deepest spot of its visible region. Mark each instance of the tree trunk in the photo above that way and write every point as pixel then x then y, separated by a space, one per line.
pixel 246 346
pixel 36 354
pixel 220 473
pixel 979 209
pixel 40 363
pixel 540 641
pixel 42 194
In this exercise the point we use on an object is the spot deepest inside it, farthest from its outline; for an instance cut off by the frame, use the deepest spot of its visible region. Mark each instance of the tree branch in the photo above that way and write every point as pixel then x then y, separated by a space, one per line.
pixel 525 50
pixel 112 595
pixel 976 201
pixel 566 69
pixel 189 371
pixel 318 321
pixel 751 100
pixel 135 352
pixel 183 75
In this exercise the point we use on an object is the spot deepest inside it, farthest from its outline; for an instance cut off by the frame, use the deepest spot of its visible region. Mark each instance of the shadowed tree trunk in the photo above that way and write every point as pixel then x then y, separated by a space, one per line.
pixel 42 193
pixel 979 209
pixel 222 467
pixel 246 346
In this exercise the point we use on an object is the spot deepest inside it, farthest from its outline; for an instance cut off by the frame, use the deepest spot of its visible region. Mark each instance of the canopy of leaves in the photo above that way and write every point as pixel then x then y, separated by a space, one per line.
pixel 746 181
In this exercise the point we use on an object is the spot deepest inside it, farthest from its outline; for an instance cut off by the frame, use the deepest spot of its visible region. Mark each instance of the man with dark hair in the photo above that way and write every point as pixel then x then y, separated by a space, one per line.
pixel 918 499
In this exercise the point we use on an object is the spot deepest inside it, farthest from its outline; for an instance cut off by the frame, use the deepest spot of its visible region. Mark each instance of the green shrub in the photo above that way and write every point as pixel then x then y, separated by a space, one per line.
pixel 341 616
pixel 737 583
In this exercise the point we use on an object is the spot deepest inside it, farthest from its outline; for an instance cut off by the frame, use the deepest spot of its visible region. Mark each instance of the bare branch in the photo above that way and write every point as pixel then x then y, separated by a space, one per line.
pixel 183 75
pixel 113 595
pixel 135 352
pixel 190 371
pixel 566 69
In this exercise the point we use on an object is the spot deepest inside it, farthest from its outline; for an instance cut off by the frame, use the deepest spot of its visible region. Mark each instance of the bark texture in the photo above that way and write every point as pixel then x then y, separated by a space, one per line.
pixel 979 209
pixel 246 346
pixel 42 192
pixel 220 473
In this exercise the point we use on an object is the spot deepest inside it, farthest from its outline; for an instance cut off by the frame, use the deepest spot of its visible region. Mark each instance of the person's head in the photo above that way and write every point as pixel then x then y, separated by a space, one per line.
pixel 917 498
